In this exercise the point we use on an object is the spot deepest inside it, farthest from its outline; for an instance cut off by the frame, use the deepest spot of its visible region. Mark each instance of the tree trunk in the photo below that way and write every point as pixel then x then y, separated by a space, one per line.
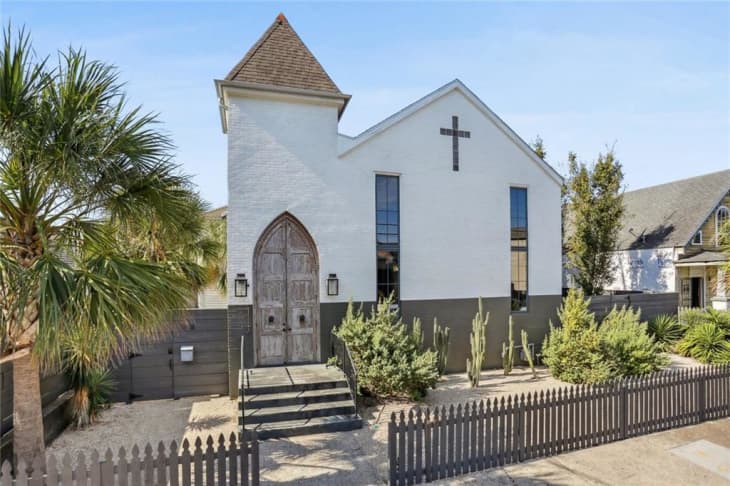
pixel 27 409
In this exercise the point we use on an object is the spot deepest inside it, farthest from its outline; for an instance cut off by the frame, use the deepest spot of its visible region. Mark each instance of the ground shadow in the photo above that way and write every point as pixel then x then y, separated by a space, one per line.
pixel 198 423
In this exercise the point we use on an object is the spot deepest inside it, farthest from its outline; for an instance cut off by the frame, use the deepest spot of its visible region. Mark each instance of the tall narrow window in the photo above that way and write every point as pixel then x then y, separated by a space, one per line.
pixel 387 221
pixel 518 241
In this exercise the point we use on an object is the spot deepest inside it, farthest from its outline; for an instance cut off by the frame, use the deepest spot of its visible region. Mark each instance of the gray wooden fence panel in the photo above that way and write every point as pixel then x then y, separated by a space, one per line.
pixel 426 446
pixel 53 399
pixel 651 305
pixel 225 464
pixel 157 372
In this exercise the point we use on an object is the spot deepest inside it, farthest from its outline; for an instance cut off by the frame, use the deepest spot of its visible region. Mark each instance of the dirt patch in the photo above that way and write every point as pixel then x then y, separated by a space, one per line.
pixel 140 423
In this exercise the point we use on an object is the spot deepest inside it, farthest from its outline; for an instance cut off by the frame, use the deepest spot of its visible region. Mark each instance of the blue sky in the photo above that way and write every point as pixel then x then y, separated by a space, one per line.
pixel 651 78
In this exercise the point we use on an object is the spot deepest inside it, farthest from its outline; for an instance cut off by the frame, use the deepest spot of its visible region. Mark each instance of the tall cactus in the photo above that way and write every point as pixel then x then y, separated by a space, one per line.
pixel 441 344
pixel 478 340
pixel 526 350
pixel 417 333
pixel 508 350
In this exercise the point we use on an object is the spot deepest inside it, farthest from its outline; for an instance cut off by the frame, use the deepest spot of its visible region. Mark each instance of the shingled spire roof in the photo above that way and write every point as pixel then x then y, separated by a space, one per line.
pixel 280 58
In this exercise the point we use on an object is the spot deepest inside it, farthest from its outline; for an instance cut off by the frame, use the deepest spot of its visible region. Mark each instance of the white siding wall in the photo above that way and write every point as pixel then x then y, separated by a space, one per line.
pixel 454 225
pixel 649 270
pixel 212 298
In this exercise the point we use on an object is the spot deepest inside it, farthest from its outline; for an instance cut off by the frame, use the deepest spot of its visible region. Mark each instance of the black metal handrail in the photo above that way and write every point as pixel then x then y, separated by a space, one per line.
pixel 341 351
pixel 242 385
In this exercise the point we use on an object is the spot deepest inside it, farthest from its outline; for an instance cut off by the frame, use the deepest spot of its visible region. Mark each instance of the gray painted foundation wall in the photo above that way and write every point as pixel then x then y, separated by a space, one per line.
pixel 457 314
pixel 239 325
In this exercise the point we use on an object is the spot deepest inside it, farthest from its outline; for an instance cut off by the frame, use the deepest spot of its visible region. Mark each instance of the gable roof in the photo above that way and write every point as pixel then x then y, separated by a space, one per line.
pixel 669 215
pixel 455 85
pixel 280 58
pixel 217 213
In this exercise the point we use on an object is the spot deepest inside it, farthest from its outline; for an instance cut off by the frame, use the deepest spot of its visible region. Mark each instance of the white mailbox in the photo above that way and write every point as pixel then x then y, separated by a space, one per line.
pixel 186 354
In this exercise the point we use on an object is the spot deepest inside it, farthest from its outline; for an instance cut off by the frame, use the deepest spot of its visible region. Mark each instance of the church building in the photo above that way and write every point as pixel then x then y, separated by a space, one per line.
pixel 438 205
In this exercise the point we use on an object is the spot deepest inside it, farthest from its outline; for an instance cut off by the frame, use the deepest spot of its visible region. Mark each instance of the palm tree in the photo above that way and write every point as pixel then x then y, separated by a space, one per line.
pixel 216 230
pixel 188 249
pixel 76 165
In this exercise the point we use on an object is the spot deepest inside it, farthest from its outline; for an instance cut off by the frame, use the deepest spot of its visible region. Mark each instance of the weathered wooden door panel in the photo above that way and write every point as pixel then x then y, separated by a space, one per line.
pixel 302 296
pixel 287 295
pixel 271 297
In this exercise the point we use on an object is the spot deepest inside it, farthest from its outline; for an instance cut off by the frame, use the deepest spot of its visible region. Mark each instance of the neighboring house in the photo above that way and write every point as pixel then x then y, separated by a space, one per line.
pixel 213 297
pixel 669 240
pixel 439 204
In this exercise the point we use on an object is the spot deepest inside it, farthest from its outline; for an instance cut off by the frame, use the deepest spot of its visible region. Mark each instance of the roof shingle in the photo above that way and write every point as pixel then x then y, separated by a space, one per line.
pixel 280 58
pixel 669 214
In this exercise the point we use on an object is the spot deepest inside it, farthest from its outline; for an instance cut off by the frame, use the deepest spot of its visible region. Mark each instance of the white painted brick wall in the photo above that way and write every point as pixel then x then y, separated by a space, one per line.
pixel 454 225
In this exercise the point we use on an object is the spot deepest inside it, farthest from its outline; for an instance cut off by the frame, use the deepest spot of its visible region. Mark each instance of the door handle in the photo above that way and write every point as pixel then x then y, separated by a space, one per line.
pixel 284 328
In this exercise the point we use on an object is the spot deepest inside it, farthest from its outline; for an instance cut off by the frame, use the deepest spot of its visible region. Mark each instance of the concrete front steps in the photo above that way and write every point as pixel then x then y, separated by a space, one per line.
pixel 297 400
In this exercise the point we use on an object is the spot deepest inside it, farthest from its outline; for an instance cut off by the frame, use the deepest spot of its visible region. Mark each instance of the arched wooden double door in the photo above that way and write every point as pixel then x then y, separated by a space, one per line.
pixel 286 306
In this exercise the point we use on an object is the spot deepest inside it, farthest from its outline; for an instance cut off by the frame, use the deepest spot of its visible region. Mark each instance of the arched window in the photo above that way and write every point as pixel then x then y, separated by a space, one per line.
pixel 721 217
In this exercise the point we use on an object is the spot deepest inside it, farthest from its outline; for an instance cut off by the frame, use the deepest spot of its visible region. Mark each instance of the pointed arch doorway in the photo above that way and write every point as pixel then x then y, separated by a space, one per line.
pixel 286 299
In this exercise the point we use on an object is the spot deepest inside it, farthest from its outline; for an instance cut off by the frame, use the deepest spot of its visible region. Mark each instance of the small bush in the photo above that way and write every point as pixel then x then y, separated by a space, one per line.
pixel 91 395
pixel 582 352
pixel 666 330
pixel 389 359
pixel 627 347
pixel 706 342
pixel 719 318
pixel 691 316
pixel 573 352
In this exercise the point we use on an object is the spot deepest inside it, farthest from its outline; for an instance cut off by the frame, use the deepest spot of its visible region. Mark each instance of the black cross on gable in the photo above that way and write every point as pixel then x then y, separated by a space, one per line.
pixel 455 134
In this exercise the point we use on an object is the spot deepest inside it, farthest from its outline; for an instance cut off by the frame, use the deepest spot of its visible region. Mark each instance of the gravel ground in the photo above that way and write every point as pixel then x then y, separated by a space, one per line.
pixel 358 457
pixel 150 422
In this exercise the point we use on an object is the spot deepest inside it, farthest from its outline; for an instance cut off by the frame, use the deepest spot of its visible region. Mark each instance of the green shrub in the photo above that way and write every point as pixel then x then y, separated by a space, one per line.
pixel 666 330
pixel 627 347
pixel 573 352
pixel 691 316
pixel 389 359
pixel 92 389
pixel 582 352
pixel 719 318
pixel 706 342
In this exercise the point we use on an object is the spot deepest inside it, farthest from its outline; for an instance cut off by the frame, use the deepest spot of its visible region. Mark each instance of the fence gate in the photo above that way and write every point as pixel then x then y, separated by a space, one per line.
pixel 148 374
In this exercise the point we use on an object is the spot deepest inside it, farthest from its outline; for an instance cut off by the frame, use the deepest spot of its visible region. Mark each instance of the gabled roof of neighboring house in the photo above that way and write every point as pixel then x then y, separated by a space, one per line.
pixel 217 213
pixel 280 58
pixel 455 85
pixel 669 215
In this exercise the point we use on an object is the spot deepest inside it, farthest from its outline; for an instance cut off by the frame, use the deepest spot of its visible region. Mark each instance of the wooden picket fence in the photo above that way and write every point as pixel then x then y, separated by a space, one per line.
pixel 426 445
pixel 235 462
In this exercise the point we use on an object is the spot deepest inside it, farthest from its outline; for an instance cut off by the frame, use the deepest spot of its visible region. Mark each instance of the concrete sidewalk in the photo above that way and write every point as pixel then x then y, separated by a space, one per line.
pixel 351 458
pixel 647 460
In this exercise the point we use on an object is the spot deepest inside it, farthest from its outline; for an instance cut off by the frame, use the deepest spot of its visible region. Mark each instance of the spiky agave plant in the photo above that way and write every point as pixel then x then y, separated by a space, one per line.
pixel 667 330
pixel 706 342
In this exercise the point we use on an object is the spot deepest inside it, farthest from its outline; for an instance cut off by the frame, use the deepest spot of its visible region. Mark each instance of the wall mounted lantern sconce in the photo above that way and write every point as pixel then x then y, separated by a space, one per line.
pixel 240 285
pixel 333 284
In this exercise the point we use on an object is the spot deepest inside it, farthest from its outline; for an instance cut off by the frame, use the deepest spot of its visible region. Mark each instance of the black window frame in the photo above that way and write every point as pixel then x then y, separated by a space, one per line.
pixel 387 232
pixel 519 230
